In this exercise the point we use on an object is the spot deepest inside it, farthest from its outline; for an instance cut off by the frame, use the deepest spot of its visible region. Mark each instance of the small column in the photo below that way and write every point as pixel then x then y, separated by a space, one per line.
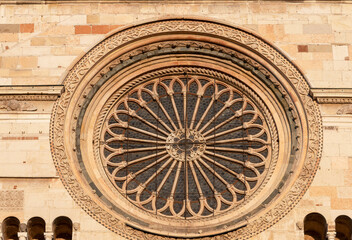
pixel 48 235
pixel 331 235
pixel 22 235
pixel 76 228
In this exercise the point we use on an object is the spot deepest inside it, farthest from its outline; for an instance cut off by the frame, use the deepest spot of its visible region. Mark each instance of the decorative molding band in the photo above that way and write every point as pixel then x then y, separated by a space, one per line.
pixel 155 1
pixel 332 95
pixel 31 92
pixel 333 122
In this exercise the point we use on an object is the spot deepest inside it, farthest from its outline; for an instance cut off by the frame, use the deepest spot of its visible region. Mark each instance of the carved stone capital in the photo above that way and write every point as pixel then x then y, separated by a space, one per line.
pixel 331 235
pixel 22 235
pixel 76 226
pixel 48 235
pixel 299 225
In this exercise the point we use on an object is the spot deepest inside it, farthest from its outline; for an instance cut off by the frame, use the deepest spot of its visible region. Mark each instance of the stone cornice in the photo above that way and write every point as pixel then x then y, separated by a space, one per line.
pixel 161 1
pixel 332 95
pixel 52 92
pixel 30 92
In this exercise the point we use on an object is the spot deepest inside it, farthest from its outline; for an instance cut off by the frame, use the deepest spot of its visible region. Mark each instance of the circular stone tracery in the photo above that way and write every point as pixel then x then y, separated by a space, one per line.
pixel 186 147
pixel 86 147
pixel 185 144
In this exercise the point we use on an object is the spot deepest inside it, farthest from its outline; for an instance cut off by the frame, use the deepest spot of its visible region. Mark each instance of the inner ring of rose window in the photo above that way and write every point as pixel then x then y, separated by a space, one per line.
pixel 186 146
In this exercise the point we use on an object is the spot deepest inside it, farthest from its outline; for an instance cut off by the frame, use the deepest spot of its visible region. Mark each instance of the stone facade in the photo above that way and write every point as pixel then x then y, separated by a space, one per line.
pixel 41 42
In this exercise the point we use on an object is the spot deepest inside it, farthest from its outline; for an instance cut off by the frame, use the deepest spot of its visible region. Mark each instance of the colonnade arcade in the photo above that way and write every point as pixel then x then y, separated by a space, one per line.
pixel 36 228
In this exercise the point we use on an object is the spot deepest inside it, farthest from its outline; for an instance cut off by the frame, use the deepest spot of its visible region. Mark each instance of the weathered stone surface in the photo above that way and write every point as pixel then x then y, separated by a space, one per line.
pixel 39 43
pixel 11 200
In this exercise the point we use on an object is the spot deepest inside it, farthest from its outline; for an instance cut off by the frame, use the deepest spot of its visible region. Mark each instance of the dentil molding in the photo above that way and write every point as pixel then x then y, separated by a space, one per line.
pixel 30 92
pixel 332 95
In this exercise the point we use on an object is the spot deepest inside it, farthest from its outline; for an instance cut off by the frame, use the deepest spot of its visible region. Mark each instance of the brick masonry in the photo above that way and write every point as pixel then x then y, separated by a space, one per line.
pixel 44 29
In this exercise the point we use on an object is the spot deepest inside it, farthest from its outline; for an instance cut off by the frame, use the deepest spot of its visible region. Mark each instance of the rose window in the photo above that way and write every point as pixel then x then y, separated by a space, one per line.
pixel 186 146
pixel 185 128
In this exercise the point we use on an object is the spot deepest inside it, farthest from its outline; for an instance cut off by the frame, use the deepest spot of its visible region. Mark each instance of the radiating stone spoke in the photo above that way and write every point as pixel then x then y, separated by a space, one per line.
pixel 196 179
pixel 230 159
pixel 158 118
pixel 237 114
pixel 144 149
pixel 157 172
pixel 126 139
pixel 174 185
pixel 206 178
pixel 146 133
pixel 176 111
pixel 213 171
pixel 213 118
pixel 234 140
pixel 227 104
pixel 205 113
pixel 238 176
pixel 167 115
pixel 152 125
pixel 134 161
pixel 195 110
pixel 166 176
pixel 157 99
pixel 186 140
pixel 132 176
pixel 215 135
pixel 150 165
pixel 251 151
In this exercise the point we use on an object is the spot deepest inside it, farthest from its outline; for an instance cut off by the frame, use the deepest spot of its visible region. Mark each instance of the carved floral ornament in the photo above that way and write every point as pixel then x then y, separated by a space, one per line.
pixel 186 128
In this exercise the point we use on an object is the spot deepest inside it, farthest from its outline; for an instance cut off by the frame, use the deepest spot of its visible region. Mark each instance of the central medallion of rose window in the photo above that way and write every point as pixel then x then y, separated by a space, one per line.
pixel 186 146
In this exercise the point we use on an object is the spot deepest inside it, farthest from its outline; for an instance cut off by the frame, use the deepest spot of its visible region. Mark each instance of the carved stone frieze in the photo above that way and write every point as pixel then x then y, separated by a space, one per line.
pixel 347 109
pixel 107 72
pixel 15 105
pixel 11 199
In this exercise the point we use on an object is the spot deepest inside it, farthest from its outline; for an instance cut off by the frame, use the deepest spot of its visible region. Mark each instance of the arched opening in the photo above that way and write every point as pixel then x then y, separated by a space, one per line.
pixel 36 228
pixel 62 227
pixel 315 227
pixel 343 227
pixel 10 228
